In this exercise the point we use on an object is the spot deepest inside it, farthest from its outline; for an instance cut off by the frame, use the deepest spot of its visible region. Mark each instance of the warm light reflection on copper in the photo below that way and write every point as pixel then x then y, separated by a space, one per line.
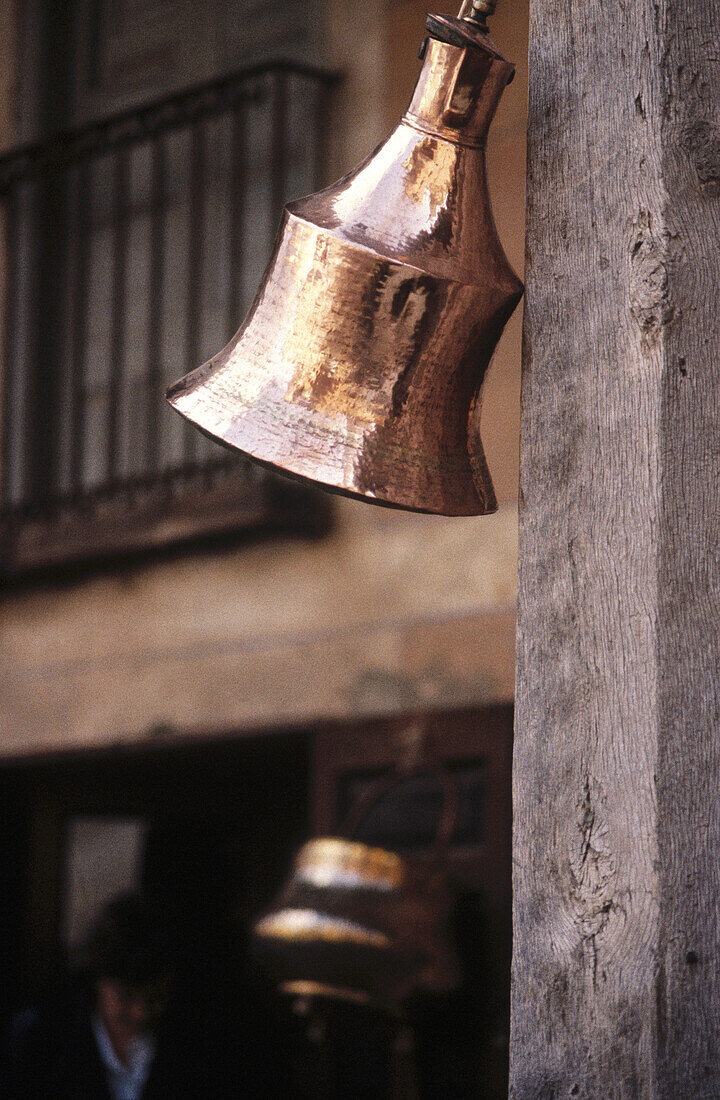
pixel 358 921
pixel 361 361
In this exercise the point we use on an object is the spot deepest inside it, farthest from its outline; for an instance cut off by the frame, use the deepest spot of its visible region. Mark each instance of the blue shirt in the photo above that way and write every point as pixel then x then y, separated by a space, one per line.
pixel 125 1082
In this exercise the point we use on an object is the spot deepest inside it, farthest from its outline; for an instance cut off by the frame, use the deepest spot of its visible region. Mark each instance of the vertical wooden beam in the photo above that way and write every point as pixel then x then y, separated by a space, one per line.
pixel 616 971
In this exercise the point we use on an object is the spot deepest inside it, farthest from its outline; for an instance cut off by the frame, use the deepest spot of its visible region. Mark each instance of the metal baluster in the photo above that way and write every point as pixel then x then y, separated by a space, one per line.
pixel 45 382
pixel 237 208
pixel 78 324
pixel 117 350
pixel 278 182
pixel 10 219
pixel 195 268
pixel 157 285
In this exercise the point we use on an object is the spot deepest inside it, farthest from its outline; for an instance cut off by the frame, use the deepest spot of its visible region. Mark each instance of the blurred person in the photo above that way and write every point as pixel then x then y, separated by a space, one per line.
pixel 130 964
pixel 100 1037
pixel 131 1026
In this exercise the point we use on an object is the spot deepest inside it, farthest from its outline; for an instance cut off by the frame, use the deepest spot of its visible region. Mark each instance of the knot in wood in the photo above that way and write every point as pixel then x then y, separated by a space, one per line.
pixel 701 142
pixel 650 302
pixel 592 867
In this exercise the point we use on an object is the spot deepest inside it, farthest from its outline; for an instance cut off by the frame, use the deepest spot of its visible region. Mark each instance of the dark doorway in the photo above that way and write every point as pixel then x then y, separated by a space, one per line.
pixel 209 828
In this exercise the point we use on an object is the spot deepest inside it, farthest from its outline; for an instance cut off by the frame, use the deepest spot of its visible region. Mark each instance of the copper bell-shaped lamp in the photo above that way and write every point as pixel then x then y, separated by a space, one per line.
pixel 361 361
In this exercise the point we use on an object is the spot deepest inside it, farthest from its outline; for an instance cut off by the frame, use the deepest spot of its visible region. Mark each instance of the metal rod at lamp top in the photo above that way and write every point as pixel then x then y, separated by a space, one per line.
pixel 477 11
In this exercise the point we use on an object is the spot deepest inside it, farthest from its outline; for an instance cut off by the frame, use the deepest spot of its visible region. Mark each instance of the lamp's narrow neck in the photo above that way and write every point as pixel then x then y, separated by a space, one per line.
pixel 458 88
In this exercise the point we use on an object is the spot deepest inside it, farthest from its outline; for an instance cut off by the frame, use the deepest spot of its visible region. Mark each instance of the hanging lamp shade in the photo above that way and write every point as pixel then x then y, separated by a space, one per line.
pixel 359 923
pixel 361 361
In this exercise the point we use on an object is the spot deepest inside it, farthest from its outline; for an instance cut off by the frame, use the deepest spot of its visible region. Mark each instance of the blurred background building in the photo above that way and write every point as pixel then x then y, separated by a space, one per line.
pixel 202 664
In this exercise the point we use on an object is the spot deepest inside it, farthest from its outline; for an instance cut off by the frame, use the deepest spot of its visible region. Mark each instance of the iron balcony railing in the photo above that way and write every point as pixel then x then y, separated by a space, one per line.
pixel 131 251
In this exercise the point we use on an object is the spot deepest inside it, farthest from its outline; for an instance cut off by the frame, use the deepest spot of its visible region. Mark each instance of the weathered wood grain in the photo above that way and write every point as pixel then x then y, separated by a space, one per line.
pixel 616 972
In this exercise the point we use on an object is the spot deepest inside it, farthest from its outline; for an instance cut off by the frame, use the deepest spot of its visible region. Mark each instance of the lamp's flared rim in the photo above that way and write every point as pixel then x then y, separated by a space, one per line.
pixel 319 483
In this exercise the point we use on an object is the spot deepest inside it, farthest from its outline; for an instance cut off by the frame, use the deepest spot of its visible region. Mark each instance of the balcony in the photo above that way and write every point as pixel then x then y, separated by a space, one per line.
pixel 131 250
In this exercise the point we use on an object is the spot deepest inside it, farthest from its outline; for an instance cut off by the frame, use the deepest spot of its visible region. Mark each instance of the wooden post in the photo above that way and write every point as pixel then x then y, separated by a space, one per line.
pixel 616 971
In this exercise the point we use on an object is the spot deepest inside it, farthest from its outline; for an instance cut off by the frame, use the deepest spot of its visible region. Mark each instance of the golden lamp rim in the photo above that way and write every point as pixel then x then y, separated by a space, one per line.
pixel 352 856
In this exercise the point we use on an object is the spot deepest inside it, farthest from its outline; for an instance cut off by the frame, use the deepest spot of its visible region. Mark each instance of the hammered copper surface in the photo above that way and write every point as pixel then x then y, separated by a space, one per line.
pixel 361 361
